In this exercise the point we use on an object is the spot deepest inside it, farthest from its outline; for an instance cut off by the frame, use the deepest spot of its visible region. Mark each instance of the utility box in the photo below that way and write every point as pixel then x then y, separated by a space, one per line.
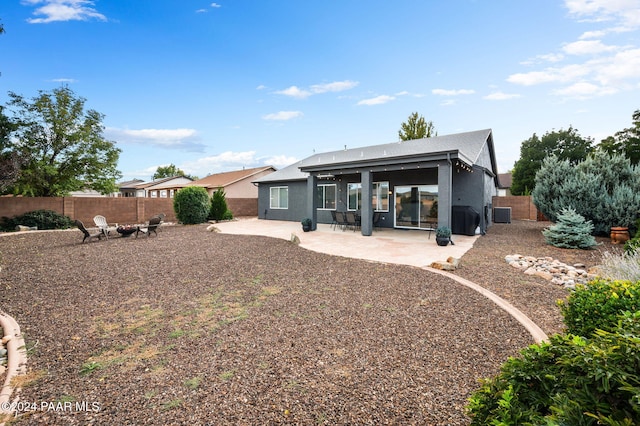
pixel 502 215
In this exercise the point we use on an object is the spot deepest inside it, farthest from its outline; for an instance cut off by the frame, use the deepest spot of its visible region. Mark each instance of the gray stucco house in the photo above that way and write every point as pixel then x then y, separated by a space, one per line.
pixel 419 184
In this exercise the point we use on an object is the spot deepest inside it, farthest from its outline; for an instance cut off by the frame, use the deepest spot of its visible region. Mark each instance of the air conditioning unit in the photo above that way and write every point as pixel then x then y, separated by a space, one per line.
pixel 502 215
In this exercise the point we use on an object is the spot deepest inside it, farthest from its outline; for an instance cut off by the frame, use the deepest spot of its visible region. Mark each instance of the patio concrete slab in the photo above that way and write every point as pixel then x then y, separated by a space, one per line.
pixel 405 247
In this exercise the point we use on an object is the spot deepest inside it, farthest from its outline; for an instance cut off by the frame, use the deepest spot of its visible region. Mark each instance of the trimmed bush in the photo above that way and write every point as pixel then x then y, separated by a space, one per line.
pixel 571 231
pixel 598 304
pixel 191 205
pixel 219 209
pixel 43 219
pixel 571 380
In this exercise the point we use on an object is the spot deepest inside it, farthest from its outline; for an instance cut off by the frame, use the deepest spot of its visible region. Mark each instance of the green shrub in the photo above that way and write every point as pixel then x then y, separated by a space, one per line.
pixel 191 205
pixel 43 219
pixel 570 380
pixel 598 304
pixel 633 244
pixel 219 209
pixel 604 189
pixel 571 231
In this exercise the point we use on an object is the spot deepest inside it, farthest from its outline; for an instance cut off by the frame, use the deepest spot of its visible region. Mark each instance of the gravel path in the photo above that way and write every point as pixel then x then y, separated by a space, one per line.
pixel 200 328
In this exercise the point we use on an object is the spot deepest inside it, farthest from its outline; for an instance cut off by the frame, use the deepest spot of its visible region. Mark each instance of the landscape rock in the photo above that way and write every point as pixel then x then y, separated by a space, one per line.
pixel 294 239
pixel 553 270
pixel 213 228
pixel 443 266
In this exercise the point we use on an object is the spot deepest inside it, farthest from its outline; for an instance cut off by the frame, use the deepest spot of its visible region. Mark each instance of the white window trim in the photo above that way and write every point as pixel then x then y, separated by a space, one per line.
pixel 377 186
pixel 324 193
pixel 271 198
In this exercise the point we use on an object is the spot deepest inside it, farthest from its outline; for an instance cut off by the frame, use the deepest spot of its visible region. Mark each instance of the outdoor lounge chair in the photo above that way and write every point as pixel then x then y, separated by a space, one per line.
pixel 153 225
pixel 353 221
pixel 88 235
pixel 101 223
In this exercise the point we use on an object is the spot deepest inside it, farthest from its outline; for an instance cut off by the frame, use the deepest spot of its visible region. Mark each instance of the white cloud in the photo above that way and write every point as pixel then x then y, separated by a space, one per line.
pixel 278 161
pixel 378 100
pixel 63 10
pixel 201 11
pixel 64 80
pixel 261 87
pixel 336 86
pixel 445 92
pixel 501 96
pixel 185 139
pixel 295 92
pixel 624 12
pixel 549 57
pixel 215 5
pixel 282 115
pixel 223 162
pixel 584 90
pixel 587 47
pixel 607 68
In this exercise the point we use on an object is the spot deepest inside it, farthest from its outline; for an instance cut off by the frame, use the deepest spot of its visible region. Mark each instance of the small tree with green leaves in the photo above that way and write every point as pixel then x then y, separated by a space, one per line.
pixel 416 127
pixel 191 205
pixel 571 231
pixel 219 209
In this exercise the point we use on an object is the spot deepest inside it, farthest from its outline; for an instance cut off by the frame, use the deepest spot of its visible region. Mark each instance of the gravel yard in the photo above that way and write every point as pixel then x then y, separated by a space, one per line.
pixel 194 327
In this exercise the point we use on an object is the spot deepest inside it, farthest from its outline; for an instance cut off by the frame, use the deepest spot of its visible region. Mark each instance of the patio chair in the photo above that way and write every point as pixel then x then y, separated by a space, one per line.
pixel 154 222
pixel 334 219
pixel 88 235
pixel 377 216
pixel 341 220
pixel 103 226
pixel 352 221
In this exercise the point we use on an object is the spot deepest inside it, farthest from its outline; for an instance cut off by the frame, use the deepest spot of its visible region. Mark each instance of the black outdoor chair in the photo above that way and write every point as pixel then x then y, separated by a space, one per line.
pixel 341 220
pixel 153 225
pixel 377 216
pixel 88 235
pixel 334 219
pixel 352 221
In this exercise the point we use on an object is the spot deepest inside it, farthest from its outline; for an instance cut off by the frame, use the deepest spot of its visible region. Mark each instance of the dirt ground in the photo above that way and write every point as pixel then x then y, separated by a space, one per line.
pixel 194 327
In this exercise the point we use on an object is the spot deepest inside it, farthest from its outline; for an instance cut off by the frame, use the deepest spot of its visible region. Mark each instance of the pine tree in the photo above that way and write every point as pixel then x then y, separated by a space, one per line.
pixel 571 231
pixel 218 205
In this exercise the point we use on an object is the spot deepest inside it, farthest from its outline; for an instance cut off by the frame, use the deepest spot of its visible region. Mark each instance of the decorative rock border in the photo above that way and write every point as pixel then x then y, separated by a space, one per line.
pixel 16 360
pixel 552 270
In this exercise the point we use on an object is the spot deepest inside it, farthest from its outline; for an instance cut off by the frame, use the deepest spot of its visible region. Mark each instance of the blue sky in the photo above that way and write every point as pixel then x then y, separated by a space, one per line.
pixel 213 87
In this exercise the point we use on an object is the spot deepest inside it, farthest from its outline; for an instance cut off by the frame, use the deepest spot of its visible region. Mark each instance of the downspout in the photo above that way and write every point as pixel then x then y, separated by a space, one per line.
pixel 450 187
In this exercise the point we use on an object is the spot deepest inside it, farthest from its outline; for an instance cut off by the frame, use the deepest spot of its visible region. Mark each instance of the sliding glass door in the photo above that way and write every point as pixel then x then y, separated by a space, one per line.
pixel 416 207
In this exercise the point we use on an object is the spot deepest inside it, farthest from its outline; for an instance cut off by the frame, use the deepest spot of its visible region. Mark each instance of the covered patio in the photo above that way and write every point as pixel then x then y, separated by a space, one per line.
pixel 396 246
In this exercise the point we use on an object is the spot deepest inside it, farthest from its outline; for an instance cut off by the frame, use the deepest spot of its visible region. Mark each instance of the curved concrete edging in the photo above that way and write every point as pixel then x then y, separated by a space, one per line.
pixel 535 331
pixel 16 359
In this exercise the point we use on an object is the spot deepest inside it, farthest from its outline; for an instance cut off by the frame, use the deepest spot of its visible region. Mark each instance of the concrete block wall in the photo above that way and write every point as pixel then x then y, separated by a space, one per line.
pixel 116 210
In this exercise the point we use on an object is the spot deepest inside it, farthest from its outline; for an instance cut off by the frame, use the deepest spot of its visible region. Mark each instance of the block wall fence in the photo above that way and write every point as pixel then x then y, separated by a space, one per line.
pixel 522 207
pixel 116 210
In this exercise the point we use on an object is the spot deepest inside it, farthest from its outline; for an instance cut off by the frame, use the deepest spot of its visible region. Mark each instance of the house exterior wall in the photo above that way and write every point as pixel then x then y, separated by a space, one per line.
pixel 297 201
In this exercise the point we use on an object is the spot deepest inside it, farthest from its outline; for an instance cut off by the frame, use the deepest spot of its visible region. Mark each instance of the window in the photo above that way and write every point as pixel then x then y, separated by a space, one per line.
pixel 327 196
pixel 153 194
pixel 354 195
pixel 379 196
pixel 279 197
pixel 171 192
pixel 163 193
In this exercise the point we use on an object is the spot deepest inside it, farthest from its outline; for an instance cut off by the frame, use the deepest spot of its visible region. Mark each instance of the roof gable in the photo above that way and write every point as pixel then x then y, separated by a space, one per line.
pixel 220 180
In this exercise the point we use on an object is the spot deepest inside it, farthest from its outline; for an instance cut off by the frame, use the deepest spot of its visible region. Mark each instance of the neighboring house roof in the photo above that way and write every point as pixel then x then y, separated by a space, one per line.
pixel 505 180
pixel 289 173
pixel 130 184
pixel 221 180
pixel 466 147
pixel 158 182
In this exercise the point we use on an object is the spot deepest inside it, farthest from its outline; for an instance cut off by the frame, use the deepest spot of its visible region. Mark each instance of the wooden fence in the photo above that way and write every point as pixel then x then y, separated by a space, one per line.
pixel 522 207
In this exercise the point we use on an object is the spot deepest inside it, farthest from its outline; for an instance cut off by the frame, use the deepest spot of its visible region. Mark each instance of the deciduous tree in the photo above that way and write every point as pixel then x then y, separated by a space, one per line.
pixel 626 141
pixel 62 145
pixel 564 144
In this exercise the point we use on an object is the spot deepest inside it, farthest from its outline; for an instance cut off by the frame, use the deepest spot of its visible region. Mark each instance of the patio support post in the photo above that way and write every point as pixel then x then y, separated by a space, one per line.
pixel 312 200
pixel 366 214
pixel 445 191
